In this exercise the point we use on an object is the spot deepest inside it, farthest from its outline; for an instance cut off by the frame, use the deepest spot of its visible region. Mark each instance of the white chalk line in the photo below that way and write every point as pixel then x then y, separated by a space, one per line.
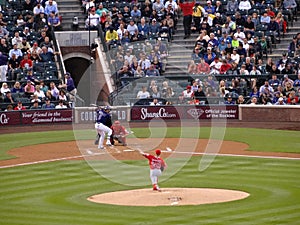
pixel 173 152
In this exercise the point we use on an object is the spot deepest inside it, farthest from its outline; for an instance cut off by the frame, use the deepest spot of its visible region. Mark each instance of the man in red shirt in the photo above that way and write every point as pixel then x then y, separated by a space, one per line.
pixel 20 106
pixel 157 165
pixel 187 11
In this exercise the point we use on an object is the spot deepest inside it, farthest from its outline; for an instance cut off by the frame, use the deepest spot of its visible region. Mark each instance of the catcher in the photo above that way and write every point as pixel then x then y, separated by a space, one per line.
pixel 119 133
pixel 157 166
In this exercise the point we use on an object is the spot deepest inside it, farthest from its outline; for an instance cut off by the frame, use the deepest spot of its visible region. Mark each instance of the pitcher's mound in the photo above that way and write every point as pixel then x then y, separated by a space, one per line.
pixel 169 196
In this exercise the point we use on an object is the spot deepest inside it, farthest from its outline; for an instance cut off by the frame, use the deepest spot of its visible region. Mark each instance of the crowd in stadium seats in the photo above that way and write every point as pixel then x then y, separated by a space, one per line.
pixel 235 39
pixel 27 55
pixel 136 33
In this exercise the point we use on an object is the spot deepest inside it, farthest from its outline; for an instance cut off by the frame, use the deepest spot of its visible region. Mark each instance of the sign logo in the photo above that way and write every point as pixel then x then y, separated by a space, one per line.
pixel 195 113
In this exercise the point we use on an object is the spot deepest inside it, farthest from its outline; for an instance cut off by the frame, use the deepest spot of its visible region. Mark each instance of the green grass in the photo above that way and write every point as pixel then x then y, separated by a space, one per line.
pixel 55 193
pixel 257 139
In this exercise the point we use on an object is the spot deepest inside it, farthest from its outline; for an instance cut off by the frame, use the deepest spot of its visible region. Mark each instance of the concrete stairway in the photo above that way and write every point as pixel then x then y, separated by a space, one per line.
pixel 68 9
pixel 181 49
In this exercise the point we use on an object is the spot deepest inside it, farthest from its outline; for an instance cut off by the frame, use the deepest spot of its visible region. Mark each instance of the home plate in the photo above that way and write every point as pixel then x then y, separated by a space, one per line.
pixel 89 152
pixel 169 149
pixel 128 150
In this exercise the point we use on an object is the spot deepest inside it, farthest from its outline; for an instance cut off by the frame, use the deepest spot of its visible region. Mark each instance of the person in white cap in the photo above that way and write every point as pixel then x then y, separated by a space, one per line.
pixel 280 101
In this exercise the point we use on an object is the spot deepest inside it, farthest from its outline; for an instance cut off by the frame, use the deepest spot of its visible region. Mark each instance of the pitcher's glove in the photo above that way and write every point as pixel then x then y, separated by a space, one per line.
pixel 162 168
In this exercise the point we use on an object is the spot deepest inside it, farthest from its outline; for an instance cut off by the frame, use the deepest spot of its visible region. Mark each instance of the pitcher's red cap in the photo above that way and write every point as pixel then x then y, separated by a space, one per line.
pixel 158 152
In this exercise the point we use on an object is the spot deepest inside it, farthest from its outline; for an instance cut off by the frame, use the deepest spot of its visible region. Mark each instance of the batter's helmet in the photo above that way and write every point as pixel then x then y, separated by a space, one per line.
pixel 107 107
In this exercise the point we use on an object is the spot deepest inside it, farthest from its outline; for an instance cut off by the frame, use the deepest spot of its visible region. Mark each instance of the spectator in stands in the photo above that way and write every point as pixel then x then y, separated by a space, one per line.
pixel 20 22
pixel 152 71
pixel 28 5
pixel 187 11
pixel 245 5
pixel 280 101
pixel 4 88
pixel 292 98
pixel 35 57
pixel 38 9
pixel 297 82
pixel 281 22
pixel 225 66
pixel 290 5
pixel 102 9
pixel 158 6
pixel 29 88
pixel 47 43
pixel 34 98
pixel 143 28
pixel 154 28
pixel 203 66
pixel 17 88
pixel 35 105
pixel 142 94
pixel 54 90
pixel 241 100
pixel 20 106
pixel 46 55
pixel 24 46
pixel 111 37
pixel 16 52
pixel 61 105
pixel 8 98
pixel 263 88
pixel 39 93
pixel 255 92
pixel 139 72
pixel 188 93
pixel 232 6
pixel 209 8
pixel 235 56
pixel 50 7
pixel 265 19
pixel 132 27
pixel 215 66
pixel 40 22
pixel 3 66
pixel 13 66
pixel 192 67
pixel 48 104
pixel 3 32
pixel 136 13
pixel 26 63
pixel 146 10
pixel 4 48
pixel 93 21
pixel 43 86
pixel 286 80
pixel 254 100
pixel 294 47
pixel 144 62
pixel 121 31
pixel 62 96
pixel 200 95
pixel 54 21
pixel 229 100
